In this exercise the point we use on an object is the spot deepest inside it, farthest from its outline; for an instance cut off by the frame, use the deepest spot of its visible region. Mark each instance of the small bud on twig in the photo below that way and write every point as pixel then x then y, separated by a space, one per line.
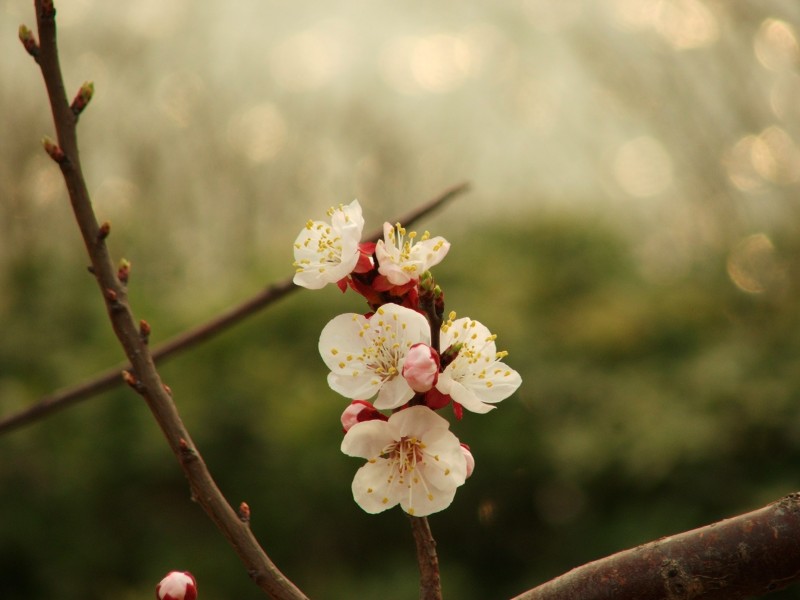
pixel 29 42
pixel 187 454
pixel 53 149
pixel 144 332
pixel 104 230
pixel 132 381
pixel 167 389
pixel 111 296
pixel 82 98
pixel 244 512
pixel 124 270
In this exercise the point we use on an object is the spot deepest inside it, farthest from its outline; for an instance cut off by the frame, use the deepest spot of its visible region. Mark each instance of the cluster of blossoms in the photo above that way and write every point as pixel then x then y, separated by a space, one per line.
pixel 403 358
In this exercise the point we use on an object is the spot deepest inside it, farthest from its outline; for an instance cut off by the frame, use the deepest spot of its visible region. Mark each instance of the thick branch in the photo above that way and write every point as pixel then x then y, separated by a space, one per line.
pixel 430 585
pixel 144 376
pixel 110 378
pixel 745 556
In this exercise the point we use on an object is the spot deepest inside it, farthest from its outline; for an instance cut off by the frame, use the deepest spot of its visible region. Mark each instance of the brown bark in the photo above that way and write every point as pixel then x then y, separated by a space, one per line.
pixel 749 555
pixel 430 586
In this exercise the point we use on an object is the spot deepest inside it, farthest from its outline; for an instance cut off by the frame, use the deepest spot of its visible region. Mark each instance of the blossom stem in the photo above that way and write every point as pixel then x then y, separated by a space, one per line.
pixel 430 584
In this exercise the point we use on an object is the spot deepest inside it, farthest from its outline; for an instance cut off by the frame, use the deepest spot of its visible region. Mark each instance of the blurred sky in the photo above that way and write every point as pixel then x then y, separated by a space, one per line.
pixel 226 124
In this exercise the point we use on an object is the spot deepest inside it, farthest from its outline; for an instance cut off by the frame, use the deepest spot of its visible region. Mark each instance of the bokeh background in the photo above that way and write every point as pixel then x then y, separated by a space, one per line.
pixel 631 236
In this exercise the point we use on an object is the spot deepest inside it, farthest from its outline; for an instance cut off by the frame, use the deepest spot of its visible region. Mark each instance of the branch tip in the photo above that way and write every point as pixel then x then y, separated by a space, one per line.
pixel 47 10
pixel 53 150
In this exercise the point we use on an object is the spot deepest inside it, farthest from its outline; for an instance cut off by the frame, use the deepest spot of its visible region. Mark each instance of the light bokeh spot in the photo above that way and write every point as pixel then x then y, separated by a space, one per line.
pixel 258 133
pixel 753 266
pixel 643 167
pixel 775 156
pixel 312 58
pixel 775 45
pixel 437 63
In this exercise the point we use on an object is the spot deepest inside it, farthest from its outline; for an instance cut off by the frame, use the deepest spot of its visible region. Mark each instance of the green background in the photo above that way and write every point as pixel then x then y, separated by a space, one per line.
pixel 631 237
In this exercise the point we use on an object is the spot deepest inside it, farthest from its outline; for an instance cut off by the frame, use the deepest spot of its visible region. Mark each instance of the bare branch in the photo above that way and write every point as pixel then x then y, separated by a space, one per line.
pixel 143 375
pixel 749 555
pixel 110 378
pixel 430 586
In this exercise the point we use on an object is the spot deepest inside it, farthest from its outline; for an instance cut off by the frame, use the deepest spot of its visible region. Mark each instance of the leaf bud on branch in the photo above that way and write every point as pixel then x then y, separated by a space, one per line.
pixel 244 512
pixel 103 231
pixel 53 150
pixel 82 98
pixel 124 270
pixel 29 42
pixel 144 332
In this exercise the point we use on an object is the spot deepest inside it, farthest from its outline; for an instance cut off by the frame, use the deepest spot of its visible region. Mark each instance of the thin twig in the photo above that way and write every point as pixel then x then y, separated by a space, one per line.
pixel 430 584
pixel 143 376
pixel 750 555
pixel 109 378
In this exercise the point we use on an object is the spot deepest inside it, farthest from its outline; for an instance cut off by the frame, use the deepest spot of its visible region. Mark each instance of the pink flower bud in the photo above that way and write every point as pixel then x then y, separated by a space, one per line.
pixel 421 367
pixel 350 414
pixel 358 411
pixel 177 585
pixel 470 459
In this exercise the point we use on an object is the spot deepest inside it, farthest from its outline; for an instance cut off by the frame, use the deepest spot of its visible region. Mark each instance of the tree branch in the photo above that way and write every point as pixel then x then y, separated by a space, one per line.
pixel 749 555
pixel 143 376
pixel 430 585
pixel 110 378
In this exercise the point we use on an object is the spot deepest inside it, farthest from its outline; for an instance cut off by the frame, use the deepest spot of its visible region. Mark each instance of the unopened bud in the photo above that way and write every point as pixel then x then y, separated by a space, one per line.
pixel 177 585
pixel 82 98
pixel 244 512
pixel 103 231
pixel 144 331
pixel 469 458
pixel 421 367
pixel 124 270
pixel 359 411
pixel 28 41
pixel 53 149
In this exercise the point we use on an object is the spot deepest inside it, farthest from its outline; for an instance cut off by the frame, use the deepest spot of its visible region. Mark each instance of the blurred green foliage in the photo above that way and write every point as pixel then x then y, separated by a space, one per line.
pixel 632 239
pixel 647 408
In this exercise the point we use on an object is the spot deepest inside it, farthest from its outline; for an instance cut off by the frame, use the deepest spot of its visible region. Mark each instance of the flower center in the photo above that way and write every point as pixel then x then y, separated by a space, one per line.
pixel 403 457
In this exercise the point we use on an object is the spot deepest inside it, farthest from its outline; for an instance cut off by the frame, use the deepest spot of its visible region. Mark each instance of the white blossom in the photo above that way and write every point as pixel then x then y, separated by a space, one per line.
pixel 402 258
pixel 326 253
pixel 412 460
pixel 366 355
pixel 476 378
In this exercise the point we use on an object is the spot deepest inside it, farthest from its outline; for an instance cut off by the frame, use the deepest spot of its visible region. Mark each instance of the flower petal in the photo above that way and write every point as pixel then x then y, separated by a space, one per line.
pixel 393 393
pixel 462 395
pixel 367 439
pixel 372 489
